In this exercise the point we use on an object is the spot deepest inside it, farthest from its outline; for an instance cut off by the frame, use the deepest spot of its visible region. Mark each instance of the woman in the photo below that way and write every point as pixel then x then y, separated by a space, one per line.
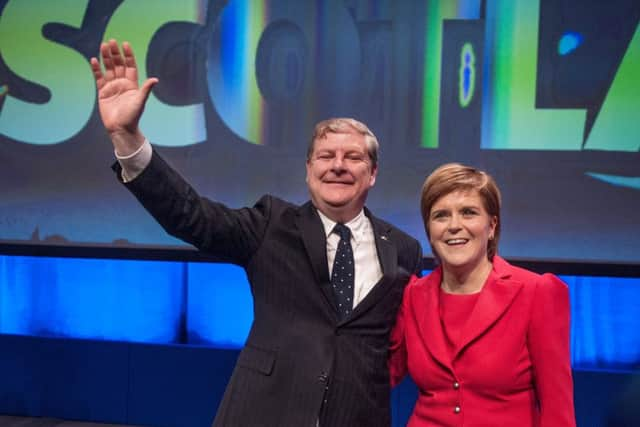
pixel 486 343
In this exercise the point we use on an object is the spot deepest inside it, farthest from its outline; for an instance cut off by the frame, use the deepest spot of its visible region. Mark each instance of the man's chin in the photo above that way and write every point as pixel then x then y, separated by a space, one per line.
pixel 337 204
pixel 334 206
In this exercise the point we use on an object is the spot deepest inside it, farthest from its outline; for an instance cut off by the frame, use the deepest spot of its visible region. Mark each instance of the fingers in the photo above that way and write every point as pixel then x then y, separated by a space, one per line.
pixel 115 65
pixel 147 86
pixel 97 72
pixel 131 69
pixel 105 52
pixel 116 59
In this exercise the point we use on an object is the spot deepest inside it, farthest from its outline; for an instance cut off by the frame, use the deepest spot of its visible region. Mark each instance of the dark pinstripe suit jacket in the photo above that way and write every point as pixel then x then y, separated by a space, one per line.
pixel 300 363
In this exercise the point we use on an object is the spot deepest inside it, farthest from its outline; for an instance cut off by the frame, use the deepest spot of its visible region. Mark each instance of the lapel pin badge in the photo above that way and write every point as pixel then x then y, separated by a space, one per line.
pixel 383 237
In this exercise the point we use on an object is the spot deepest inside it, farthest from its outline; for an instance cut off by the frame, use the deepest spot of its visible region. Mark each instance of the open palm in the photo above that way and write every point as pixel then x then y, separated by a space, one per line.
pixel 120 99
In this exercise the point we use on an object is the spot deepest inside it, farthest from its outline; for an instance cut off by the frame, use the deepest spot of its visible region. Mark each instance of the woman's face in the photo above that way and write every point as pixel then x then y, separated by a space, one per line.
pixel 460 229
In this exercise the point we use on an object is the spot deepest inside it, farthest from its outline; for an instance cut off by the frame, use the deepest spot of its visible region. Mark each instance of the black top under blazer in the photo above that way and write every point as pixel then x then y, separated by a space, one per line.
pixel 300 362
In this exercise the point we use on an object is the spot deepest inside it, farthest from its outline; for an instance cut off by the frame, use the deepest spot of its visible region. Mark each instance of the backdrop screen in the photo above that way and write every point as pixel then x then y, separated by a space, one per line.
pixel 543 94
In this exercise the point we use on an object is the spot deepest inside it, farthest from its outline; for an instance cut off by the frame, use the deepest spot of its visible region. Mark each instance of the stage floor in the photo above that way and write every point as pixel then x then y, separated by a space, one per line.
pixel 11 421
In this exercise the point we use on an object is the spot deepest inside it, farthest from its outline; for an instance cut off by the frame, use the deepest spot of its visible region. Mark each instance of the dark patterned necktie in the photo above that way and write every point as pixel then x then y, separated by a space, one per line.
pixel 342 275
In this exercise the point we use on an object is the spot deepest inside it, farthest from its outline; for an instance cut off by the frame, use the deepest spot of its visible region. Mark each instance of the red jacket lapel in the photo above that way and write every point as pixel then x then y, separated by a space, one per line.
pixel 430 326
pixel 495 298
pixel 497 295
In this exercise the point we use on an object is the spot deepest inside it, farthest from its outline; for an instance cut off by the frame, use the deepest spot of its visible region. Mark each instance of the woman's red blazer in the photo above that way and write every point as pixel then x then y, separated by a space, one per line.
pixel 512 366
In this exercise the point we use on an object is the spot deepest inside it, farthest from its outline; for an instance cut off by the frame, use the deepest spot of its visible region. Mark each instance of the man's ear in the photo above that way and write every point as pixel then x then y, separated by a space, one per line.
pixel 374 175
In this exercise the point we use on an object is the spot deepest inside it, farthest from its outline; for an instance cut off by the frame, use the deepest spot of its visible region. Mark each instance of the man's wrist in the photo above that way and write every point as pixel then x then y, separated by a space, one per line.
pixel 127 143
pixel 134 163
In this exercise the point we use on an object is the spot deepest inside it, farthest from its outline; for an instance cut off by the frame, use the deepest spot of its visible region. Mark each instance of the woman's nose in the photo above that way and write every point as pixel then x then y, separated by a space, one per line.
pixel 454 223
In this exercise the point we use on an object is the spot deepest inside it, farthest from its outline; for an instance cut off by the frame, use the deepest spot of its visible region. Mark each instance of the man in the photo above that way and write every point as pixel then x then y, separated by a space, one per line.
pixel 317 350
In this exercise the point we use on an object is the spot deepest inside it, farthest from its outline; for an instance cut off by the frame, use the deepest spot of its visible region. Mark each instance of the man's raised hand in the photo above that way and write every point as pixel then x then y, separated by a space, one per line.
pixel 121 100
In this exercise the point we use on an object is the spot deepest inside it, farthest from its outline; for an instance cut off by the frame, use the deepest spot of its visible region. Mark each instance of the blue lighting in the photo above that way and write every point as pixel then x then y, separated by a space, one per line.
pixel 220 309
pixel 125 300
pixel 87 298
pixel 466 75
pixel 620 181
pixel 210 304
pixel 569 42
pixel 605 323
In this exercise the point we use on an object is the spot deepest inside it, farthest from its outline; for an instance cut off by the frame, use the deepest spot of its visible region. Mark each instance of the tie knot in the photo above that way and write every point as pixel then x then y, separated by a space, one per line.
pixel 343 231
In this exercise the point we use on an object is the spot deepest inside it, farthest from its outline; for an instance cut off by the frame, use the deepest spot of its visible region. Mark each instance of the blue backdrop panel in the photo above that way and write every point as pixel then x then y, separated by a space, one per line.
pixel 177 385
pixel 181 386
pixel 210 304
pixel 87 298
pixel 605 332
pixel 72 379
pixel 220 308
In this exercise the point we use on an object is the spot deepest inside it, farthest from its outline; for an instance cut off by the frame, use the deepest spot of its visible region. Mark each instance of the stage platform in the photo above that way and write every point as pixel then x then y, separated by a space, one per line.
pixel 11 421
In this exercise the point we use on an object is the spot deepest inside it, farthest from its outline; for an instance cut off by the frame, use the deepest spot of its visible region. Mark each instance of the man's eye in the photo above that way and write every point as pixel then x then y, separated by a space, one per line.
pixel 356 157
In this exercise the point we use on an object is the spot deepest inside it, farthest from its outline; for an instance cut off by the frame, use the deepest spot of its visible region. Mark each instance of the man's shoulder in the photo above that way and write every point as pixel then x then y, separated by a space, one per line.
pixel 390 229
pixel 276 202
pixel 283 210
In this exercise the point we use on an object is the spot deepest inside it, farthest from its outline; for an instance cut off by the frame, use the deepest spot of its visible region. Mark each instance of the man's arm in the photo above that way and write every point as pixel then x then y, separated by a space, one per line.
pixel 232 235
pixel 133 164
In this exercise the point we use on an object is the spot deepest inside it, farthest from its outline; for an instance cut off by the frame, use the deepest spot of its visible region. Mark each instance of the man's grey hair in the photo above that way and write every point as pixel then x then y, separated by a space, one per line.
pixel 346 125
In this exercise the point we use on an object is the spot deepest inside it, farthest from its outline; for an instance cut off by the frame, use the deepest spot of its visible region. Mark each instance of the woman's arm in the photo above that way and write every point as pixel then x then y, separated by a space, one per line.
pixel 548 340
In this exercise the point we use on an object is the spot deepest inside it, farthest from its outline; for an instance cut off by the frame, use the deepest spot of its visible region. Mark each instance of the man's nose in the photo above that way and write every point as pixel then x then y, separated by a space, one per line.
pixel 338 163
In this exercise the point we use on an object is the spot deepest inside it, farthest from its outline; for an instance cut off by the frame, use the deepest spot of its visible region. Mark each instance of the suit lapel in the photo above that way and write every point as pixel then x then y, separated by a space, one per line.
pixel 314 239
pixel 497 295
pixel 388 256
pixel 430 325
pixel 315 243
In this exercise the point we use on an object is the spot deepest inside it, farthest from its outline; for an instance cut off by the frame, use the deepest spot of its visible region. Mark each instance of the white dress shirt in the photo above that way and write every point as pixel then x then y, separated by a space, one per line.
pixel 134 163
pixel 367 264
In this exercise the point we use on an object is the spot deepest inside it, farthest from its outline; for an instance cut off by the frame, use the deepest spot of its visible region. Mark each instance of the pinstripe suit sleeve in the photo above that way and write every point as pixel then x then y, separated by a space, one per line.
pixel 398 351
pixel 231 235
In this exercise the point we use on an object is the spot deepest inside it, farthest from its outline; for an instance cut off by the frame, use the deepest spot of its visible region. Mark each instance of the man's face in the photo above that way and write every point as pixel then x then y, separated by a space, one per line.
pixel 339 175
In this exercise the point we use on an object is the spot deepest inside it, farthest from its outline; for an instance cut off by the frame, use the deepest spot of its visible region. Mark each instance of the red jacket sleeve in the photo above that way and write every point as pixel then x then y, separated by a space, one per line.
pixel 548 340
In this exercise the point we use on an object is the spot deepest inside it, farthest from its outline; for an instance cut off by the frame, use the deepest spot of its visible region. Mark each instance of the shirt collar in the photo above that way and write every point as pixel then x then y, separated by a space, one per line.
pixel 357 225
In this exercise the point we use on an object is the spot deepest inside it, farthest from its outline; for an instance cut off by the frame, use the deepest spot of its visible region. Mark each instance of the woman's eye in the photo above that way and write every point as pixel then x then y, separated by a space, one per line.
pixel 438 215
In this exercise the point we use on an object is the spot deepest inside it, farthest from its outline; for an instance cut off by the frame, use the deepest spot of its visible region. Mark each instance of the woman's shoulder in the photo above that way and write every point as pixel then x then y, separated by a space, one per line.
pixel 426 280
pixel 421 284
pixel 530 279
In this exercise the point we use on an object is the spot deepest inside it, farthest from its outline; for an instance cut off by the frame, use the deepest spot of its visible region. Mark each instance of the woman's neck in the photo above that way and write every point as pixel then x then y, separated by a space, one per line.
pixel 465 281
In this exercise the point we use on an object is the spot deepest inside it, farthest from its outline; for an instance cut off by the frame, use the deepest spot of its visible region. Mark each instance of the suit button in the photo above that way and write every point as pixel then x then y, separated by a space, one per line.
pixel 457 410
pixel 323 377
pixel 456 385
